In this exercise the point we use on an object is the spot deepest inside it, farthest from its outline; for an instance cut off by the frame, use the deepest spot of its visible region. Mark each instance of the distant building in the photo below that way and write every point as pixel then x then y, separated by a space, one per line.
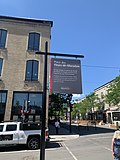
pixel 101 92
pixel 106 110
pixel 21 70
pixel 103 112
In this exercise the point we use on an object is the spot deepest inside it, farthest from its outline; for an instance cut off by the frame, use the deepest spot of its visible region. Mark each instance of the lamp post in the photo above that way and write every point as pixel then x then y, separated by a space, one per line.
pixel 70 119
pixel 42 150
pixel 70 106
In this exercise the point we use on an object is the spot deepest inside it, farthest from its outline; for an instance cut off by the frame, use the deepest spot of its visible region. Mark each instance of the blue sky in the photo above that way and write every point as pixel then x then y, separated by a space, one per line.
pixel 87 27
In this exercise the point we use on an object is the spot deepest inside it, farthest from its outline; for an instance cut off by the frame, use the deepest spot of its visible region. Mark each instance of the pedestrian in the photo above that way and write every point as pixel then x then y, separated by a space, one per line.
pixel 57 126
pixel 116 145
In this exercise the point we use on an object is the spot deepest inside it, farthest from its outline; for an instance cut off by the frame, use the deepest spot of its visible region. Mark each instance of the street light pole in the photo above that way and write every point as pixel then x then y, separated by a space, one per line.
pixel 70 117
pixel 70 106
pixel 42 144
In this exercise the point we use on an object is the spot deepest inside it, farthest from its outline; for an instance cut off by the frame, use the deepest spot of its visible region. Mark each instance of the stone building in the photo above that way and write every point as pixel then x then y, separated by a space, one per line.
pixel 21 70
pixel 101 93
pixel 109 113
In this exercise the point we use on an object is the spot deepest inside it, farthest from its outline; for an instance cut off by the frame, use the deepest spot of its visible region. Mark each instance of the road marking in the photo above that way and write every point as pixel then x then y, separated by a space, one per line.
pixel 13 152
pixel 70 151
pixel 108 149
pixel 97 134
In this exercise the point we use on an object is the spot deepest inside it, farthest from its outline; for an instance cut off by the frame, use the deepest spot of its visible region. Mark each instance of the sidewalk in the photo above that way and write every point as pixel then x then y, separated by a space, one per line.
pixel 78 130
pixel 63 134
pixel 83 130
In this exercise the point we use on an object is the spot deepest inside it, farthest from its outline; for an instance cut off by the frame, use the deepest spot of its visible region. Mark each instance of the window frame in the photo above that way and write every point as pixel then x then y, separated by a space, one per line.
pixel 33 69
pixel 13 127
pixel 30 126
pixel 34 100
pixel 1 66
pixel 1 127
pixel 3 38
pixel 3 100
pixel 32 44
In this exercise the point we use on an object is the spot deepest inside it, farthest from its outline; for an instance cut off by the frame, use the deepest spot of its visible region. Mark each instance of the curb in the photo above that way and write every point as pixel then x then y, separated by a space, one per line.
pixel 63 137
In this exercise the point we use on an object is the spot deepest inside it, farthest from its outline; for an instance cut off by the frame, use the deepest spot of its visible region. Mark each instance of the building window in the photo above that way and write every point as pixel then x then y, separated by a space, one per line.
pixel 3 98
pixel 27 104
pixel 32 70
pixel 3 35
pixel 34 41
pixel 1 63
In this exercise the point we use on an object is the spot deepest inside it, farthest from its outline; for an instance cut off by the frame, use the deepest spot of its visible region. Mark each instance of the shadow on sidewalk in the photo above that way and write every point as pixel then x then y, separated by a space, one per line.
pixel 87 130
pixel 53 144
pixel 62 130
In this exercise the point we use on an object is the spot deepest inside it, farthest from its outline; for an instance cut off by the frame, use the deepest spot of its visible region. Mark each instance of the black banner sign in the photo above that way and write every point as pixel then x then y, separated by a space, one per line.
pixel 65 76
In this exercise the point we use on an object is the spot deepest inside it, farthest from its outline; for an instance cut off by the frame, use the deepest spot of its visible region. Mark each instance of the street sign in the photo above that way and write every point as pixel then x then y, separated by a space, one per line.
pixel 42 150
pixel 65 76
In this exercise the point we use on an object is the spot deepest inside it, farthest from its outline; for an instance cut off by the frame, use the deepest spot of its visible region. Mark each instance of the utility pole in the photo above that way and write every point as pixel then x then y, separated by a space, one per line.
pixel 42 148
pixel 70 106
pixel 70 118
pixel 46 53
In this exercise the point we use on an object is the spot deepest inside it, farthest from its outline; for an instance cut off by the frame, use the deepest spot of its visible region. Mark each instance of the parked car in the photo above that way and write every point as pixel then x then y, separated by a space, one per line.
pixel 16 133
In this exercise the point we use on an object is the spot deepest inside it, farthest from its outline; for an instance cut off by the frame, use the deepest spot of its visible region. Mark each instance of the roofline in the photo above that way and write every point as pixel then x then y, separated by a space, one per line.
pixel 28 20
pixel 104 85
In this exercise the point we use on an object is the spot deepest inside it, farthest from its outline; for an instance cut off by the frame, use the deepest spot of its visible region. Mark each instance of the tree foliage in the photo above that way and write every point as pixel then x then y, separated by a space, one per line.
pixel 113 95
pixel 85 106
pixel 91 101
pixel 56 102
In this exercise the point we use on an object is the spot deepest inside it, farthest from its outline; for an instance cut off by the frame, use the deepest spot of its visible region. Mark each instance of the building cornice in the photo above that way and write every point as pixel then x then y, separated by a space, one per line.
pixel 44 22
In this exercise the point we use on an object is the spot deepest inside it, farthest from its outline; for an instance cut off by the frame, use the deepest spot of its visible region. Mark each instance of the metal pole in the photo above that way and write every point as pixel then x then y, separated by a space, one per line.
pixel 42 144
pixel 61 55
pixel 42 151
pixel 70 118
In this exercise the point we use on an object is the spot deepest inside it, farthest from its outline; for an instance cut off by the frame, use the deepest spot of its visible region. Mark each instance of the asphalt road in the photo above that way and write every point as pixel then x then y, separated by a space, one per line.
pixel 88 147
pixel 92 147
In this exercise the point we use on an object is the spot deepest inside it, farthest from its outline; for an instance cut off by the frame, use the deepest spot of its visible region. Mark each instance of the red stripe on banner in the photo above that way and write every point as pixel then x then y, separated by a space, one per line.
pixel 50 75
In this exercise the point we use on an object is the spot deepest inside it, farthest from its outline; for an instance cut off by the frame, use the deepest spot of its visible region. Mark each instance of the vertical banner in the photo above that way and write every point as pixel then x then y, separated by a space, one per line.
pixel 65 76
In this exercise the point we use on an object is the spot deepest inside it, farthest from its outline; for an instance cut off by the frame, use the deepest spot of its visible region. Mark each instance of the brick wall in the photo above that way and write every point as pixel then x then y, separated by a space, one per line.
pixel 15 56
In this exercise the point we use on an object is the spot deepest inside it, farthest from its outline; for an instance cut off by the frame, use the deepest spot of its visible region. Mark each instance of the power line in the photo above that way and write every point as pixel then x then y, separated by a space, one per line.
pixel 107 67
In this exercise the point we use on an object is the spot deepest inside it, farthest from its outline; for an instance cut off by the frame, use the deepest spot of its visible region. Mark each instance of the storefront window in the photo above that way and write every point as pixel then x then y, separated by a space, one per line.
pixel 27 104
pixel 3 95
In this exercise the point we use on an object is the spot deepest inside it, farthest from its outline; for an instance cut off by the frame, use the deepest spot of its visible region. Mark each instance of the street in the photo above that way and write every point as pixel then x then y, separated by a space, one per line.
pixel 93 147
pixel 90 147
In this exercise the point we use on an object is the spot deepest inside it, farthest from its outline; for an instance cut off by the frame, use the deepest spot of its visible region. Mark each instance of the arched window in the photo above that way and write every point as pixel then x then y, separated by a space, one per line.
pixel 32 70
pixel 3 35
pixel 34 41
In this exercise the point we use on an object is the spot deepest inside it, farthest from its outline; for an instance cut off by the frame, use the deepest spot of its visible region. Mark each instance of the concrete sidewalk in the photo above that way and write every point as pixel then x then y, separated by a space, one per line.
pixel 63 134
pixel 77 131
pixel 90 129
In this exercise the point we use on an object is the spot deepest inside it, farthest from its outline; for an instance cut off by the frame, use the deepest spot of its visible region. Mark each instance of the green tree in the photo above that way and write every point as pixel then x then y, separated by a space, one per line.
pixel 56 104
pixel 76 110
pixel 100 102
pixel 113 92
pixel 84 106
pixel 91 101
pixel 87 105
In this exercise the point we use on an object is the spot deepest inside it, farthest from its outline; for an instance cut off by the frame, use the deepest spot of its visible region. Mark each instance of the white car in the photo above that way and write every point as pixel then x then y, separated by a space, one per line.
pixel 15 133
